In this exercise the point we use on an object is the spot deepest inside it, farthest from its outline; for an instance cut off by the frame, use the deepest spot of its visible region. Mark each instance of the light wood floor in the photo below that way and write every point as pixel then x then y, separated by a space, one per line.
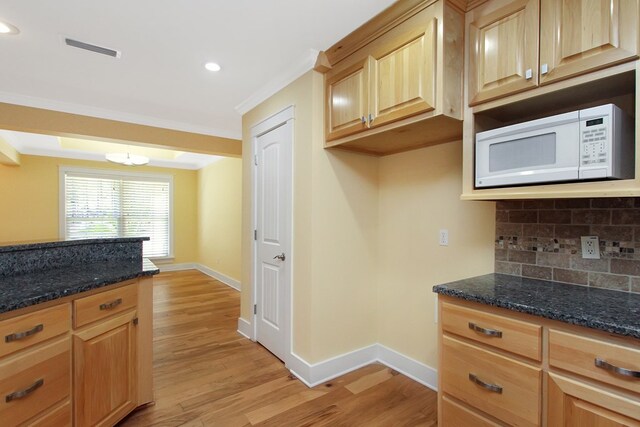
pixel 206 374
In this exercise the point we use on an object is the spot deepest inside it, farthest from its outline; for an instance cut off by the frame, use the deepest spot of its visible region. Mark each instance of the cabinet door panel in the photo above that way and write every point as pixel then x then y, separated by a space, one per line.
pixel 347 101
pixel 403 79
pixel 578 36
pixel 503 57
pixel 105 372
pixel 575 404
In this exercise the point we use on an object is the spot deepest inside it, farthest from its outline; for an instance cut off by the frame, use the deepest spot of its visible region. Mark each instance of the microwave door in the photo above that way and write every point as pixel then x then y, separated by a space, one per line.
pixel 545 154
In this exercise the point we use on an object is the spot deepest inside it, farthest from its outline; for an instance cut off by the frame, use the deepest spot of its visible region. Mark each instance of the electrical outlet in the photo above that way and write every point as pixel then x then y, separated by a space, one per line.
pixel 590 247
pixel 444 238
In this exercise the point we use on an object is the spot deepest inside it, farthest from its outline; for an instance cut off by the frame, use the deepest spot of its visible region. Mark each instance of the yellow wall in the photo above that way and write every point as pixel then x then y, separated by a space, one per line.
pixel 29 195
pixel 419 195
pixel 219 216
pixel 335 218
pixel 366 236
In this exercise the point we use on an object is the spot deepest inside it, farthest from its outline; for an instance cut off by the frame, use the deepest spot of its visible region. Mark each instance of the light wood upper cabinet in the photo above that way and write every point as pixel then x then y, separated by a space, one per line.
pixel 504 50
pixel 105 371
pixel 571 37
pixel 578 36
pixel 397 85
pixel 403 77
pixel 348 101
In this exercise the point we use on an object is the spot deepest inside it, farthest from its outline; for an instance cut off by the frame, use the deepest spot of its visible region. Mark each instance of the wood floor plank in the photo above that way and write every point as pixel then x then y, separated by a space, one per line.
pixel 207 374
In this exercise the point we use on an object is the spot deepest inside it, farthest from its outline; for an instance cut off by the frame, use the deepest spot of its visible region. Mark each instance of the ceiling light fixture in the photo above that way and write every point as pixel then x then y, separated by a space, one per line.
pixel 127 159
pixel 212 66
pixel 8 29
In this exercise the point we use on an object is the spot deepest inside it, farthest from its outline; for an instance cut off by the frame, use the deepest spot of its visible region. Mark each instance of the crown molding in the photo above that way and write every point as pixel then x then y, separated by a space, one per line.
pixel 101 113
pixel 306 63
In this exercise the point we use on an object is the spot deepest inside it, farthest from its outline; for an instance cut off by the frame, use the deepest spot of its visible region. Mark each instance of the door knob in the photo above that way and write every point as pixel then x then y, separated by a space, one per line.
pixel 281 257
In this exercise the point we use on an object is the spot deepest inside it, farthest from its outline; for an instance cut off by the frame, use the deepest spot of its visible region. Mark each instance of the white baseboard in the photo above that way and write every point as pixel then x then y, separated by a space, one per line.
pixel 244 328
pixel 203 269
pixel 176 267
pixel 219 276
pixel 418 371
pixel 318 373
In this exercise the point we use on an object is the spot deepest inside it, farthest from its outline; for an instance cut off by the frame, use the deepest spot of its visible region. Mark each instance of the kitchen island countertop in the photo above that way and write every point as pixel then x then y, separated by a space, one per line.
pixel 33 288
pixel 602 309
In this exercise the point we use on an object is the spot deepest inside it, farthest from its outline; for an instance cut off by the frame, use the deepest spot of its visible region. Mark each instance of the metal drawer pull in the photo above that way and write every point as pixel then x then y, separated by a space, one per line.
pixel 21 335
pixel 24 393
pixel 491 387
pixel 613 368
pixel 490 332
pixel 110 305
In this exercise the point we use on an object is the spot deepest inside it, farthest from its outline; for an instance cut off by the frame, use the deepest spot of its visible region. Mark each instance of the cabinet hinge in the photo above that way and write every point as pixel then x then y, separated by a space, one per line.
pixel 255 309
pixel 135 321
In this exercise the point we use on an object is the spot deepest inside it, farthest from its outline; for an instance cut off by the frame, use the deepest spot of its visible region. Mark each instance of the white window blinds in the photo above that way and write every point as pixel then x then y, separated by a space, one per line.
pixel 102 204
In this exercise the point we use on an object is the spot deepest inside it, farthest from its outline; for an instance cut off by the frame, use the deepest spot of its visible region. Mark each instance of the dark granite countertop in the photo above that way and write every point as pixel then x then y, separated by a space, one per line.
pixel 23 290
pixel 602 309
pixel 29 246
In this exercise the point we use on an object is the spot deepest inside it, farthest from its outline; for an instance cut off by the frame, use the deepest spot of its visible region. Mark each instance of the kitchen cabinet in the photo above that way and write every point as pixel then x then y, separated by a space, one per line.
pixel 575 403
pixel 571 37
pixel 91 374
pixel 494 371
pixel 504 50
pixel 104 371
pixel 400 89
pixel 581 36
pixel 35 366
pixel 348 93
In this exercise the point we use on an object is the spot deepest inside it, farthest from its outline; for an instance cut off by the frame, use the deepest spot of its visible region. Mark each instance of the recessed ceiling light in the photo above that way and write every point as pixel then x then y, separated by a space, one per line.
pixel 212 66
pixel 6 28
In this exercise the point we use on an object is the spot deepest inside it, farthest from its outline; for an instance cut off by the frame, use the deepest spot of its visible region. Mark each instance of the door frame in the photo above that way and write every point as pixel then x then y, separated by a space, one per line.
pixel 266 125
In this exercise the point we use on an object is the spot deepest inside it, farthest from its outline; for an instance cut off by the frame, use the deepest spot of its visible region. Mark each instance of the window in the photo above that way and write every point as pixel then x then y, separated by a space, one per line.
pixel 99 204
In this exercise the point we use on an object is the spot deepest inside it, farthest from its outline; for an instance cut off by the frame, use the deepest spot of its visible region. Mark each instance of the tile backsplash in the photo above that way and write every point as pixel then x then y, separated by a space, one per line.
pixel 541 239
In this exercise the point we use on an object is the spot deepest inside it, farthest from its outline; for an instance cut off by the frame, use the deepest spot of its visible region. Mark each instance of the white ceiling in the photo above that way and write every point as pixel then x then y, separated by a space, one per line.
pixel 51 146
pixel 160 78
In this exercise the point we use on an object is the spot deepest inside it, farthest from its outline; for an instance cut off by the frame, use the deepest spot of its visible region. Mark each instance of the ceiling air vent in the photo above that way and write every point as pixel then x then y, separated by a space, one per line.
pixel 92 47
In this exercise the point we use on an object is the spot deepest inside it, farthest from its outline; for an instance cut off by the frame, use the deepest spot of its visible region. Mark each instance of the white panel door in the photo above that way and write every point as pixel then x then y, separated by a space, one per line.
pixel 273 238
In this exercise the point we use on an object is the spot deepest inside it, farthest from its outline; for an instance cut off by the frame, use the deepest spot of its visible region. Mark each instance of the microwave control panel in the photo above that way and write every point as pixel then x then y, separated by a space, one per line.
pixel 593 143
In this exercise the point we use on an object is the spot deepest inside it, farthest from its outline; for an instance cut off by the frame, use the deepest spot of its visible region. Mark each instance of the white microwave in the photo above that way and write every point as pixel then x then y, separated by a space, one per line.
pixel 594 143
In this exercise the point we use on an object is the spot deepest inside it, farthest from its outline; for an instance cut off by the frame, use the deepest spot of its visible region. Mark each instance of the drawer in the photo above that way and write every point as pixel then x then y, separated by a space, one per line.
pixel 454 414
pixel 56 417
pixel 502 387
pixel 511 335
pixel 99 306
pixel 22 331
pixel 34 381
pixel 579 354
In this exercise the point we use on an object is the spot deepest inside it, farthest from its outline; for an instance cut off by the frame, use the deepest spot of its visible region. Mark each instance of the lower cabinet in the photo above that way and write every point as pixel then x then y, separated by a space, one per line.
pixel 493 373
pixel 105 371
pixel 33 381
pixel 94 374
pixel 574 403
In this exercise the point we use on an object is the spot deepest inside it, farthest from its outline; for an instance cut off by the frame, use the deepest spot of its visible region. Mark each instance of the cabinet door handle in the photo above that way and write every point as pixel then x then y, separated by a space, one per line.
pixel 111 305
pixel 544 69
pixel 24 393
pixel 370 118
pixel 364 120
pixel 21 335
pixel 491 387
pixel 602 364
pixel 528 74
pixel 484 331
